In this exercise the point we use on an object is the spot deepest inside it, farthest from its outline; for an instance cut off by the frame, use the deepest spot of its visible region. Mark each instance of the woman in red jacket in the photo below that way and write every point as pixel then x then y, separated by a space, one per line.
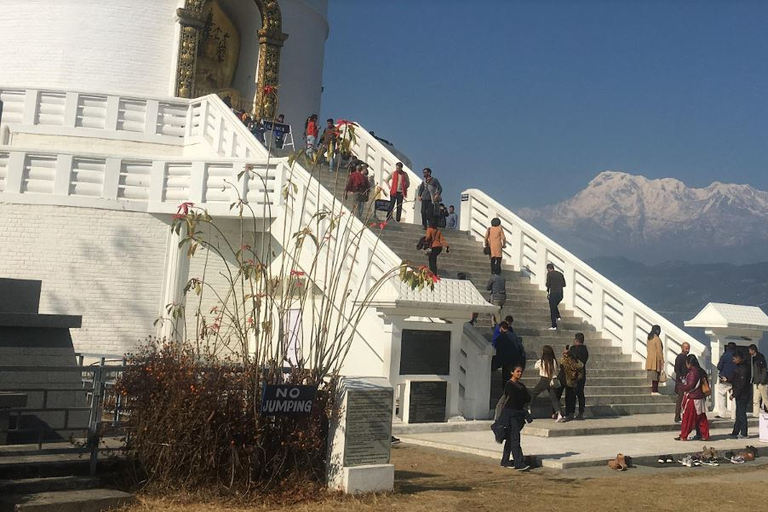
pixel 694 400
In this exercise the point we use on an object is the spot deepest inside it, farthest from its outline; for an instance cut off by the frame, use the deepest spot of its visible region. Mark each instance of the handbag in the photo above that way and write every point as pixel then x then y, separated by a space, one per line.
pixel 555 383
pixel 487 250
pixel 705 389
pixel 662 376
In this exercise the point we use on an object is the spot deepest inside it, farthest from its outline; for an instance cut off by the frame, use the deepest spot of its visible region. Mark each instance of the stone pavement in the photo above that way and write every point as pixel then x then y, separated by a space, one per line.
pixel 580 449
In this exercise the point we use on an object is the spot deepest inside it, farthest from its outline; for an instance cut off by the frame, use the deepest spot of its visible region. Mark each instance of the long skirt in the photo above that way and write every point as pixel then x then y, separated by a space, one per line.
pixel 691 419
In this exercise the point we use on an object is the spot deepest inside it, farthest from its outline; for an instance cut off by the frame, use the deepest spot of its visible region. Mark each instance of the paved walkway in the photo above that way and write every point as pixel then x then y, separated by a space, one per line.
pixel 583 450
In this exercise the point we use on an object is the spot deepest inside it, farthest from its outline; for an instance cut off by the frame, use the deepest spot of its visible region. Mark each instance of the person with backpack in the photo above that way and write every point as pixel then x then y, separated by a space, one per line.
pixel 357 185
pixel 434 241
pixel 695 388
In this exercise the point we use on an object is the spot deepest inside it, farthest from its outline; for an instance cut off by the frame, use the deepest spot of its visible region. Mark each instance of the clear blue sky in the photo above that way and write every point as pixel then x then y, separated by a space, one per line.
pixel 529 100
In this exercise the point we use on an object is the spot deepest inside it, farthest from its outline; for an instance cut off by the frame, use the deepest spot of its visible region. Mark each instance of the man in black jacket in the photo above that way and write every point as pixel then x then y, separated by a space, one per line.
pixel 741 391
pixel 680 372
pixel 579 351
pixel 555 284
pixel 509 351
pixel 759 380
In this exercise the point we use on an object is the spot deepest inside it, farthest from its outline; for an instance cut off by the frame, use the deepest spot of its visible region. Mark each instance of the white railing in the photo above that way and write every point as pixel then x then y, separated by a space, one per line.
pixel 591 296
pixel 382 162
pixel 172 121
pixel 139 184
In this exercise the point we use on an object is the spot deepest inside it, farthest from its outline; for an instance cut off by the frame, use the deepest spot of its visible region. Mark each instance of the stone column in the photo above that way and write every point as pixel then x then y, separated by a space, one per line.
pixel 176 278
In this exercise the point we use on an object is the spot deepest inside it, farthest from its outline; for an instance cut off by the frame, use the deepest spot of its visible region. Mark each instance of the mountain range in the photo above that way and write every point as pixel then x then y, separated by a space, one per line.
pixel 659 220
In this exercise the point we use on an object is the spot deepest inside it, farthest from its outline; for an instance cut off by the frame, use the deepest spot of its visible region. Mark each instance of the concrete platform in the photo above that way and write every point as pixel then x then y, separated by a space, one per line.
pixel 565 452
pixel 88 500
pixel 637 423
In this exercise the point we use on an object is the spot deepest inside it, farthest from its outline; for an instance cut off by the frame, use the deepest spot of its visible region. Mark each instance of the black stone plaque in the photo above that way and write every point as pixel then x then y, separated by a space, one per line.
pixel 425 352
pixel 368 427
pixel 427 403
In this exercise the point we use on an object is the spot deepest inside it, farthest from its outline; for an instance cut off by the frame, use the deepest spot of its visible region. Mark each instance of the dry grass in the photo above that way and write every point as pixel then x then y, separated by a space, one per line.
pixel 433 481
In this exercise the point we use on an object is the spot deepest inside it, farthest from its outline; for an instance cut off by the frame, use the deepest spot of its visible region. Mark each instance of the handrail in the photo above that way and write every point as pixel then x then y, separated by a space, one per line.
pixel 592 296
pixel 382 162
pixel 155 185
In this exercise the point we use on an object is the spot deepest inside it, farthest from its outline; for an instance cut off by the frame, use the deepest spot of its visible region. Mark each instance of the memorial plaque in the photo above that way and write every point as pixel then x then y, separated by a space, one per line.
pixel 427 402
pixel 425 352
pixel 368 427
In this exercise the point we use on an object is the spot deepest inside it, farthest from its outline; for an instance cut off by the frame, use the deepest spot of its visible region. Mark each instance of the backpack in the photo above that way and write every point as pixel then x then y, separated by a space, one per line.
pixel 422 244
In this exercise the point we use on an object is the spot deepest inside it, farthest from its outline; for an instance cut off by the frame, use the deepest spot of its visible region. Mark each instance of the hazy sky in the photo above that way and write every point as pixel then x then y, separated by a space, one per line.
pixel 529 100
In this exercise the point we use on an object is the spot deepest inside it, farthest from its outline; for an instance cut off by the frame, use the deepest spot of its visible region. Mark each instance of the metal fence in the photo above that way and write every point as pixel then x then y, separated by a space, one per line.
pixel 88 408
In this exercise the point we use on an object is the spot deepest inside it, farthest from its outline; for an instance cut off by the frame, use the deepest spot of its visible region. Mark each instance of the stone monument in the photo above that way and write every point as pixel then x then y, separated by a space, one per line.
pixel 360 436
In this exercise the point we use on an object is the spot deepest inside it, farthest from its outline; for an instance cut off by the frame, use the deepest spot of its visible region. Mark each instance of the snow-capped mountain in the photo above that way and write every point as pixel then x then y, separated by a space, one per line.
pixel 620 214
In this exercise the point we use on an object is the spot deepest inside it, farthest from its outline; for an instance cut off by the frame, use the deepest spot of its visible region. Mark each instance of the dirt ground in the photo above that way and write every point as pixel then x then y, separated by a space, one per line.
pixel 434 481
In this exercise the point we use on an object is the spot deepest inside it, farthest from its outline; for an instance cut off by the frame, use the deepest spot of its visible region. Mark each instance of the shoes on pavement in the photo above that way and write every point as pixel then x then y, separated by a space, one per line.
pixel 552 329
pixel 524 468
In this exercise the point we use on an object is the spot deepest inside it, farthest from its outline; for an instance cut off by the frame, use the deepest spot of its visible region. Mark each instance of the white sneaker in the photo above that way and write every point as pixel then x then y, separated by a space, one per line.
pixel 552 329
pixel 559 418
pixel 655 393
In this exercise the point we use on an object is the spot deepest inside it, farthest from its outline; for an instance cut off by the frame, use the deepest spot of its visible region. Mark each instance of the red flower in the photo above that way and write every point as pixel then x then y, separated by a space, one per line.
pixel 297 273
pixel 179 216
pixel 245 247
pixel 269 89
pixel 184 208
pixel 343 122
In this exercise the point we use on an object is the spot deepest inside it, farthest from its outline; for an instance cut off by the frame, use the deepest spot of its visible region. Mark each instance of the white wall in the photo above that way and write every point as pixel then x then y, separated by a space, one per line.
pixel 301 60
pixel 90 45
pixel 104 265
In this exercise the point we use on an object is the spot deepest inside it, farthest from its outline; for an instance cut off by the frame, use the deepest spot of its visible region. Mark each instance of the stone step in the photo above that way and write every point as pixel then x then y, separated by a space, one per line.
pixel 85 500
pixel 48 484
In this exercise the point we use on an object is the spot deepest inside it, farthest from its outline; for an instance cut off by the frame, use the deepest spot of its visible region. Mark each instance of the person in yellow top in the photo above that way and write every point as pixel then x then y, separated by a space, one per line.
pixel 495 241
pixel 654 361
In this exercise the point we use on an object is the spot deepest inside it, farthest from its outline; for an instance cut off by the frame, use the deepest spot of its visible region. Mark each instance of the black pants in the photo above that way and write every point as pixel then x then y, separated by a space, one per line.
pixel 506 373
pixel 740 427
pixel 512 444
pixel 395 199
pixel 433 254
pixel 580 394
pixel 554 312
pixel 570 401
pixel 495 265
pixel 427 212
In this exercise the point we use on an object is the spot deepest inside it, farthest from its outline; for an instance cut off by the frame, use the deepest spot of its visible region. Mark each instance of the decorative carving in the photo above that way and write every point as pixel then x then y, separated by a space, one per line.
pixel 271 39
pixel 217 51
pixel 191 21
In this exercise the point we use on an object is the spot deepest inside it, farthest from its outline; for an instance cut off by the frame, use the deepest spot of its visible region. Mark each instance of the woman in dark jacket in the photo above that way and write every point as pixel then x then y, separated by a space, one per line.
pixel 694 401
pixel 513 418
